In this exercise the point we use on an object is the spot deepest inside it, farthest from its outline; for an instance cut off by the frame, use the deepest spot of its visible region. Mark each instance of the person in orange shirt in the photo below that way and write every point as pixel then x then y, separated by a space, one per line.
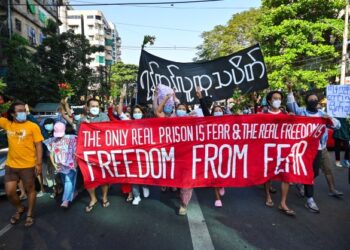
pixel 24 160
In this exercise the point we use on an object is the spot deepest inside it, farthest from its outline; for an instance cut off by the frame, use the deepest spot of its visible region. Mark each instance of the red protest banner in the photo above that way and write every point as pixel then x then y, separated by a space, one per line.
pixel 226 151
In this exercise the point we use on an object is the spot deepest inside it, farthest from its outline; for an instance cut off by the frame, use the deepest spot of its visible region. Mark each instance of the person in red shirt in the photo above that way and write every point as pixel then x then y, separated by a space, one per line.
pixel 274 101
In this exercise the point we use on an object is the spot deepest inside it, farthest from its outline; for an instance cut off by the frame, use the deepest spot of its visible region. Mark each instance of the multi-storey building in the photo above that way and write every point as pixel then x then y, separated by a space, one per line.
pixel 26 18
pixel 95 27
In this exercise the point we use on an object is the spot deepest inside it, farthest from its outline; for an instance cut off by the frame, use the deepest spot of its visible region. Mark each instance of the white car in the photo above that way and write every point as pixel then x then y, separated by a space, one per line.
pixel 3 156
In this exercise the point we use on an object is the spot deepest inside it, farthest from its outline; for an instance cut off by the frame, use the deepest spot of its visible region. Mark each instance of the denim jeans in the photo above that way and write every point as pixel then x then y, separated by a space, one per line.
pixel 136 190
pixel 69 181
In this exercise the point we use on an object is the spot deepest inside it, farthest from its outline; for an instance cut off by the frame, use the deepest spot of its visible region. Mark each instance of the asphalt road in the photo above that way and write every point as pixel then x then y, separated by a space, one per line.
pixel 244 222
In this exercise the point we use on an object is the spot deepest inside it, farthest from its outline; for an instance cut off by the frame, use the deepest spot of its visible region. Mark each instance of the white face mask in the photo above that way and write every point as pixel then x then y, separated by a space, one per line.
pixel 218 113
pixel 276 104
pixel 94 111
pixel 77 117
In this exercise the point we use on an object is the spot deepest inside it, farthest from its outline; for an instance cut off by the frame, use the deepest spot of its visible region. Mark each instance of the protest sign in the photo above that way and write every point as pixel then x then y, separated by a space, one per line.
pixel 228 151
pixel 338 100
pixel 245 70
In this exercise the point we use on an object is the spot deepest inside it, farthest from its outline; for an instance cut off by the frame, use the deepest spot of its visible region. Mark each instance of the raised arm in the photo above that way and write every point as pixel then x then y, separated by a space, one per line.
pixel 159 111
pixel 291 103
pixel 202 102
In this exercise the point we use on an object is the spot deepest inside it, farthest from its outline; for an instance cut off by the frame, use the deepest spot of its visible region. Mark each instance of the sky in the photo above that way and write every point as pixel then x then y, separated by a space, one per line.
pixel 174 26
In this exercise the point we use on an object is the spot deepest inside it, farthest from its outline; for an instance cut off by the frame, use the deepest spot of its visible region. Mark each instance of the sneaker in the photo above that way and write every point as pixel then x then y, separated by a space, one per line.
pixel 345 164
pixel 53 195
pixel 65 204
pixel 222 191
pixel 218 203
pixel 40 194
pixel 182 210
pixel 336 193
pixel 136 201
pixel 312 206
pixel 145 192
pixel 301 190
pixel 338 164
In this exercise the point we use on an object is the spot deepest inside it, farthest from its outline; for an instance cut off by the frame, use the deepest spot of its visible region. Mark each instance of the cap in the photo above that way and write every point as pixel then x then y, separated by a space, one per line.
pixel 59 129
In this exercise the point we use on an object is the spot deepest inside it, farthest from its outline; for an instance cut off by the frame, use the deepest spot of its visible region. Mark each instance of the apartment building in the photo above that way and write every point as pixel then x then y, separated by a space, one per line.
pixel 96 28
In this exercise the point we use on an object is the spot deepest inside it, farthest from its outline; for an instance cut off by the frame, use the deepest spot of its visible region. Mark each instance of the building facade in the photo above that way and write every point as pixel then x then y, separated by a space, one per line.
pixel 99 32
pixel 26 18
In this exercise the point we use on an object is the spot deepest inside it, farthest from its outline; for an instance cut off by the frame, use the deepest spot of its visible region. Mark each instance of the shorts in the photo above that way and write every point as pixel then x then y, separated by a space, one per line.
pixel 326 162
pixel 26 175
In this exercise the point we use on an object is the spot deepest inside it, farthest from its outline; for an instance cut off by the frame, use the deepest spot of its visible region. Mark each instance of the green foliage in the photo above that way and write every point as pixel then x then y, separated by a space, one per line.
pixel 301 41
pixel 226 39
pixel 122 74
pixel 64 58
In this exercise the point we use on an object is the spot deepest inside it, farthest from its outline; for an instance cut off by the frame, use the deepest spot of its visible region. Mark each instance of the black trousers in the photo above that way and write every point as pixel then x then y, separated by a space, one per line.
pixel 338 143
pixel 309 189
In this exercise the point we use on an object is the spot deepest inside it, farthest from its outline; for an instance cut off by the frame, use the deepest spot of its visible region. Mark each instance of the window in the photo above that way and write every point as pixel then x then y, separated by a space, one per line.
pixel 91 27
pixel 91 38
pixel 17 1
pixel 90 17
pixel 31 36
pixel 73 17
pixel 18 25
pixel 98 17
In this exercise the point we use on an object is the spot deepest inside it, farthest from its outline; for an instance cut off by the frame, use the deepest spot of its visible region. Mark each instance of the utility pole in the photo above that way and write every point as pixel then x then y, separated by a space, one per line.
pixel 9 21
pixel 85 81
pixel 345 46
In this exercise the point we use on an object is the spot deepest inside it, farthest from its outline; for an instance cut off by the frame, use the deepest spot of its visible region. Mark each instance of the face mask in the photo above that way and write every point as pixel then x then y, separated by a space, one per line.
pixel 77 117
pixel 276 104
pixel 95 111
pixel 49 127
pixel 137 116
pixel 180 112
pixel 219 113
pixel 21 116
pixel 168 109
pixel 312 105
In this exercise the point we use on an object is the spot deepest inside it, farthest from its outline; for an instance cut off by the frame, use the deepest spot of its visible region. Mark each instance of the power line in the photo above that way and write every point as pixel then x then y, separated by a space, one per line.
pixel 158 27
pixel 125 4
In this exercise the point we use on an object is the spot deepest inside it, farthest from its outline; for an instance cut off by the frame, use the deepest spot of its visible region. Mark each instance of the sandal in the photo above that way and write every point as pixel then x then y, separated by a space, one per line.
pixel 269 204
pixel 105 204
pixel 29 221
pixel 17 216
pixel 273 190
pixel 90 207
pixel 129 199
pixel 288 212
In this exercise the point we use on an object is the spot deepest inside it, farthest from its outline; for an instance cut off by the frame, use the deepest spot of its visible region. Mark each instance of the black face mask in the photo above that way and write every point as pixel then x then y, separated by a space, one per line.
pixel 312 105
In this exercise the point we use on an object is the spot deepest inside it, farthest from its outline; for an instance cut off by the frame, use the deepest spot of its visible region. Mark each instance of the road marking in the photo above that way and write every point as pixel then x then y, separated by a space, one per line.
pixel 5 229
pixel 198 228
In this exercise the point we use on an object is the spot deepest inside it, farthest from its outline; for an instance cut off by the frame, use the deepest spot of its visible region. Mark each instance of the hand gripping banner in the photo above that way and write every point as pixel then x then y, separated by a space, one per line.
pixel 186 152
pixel 244 69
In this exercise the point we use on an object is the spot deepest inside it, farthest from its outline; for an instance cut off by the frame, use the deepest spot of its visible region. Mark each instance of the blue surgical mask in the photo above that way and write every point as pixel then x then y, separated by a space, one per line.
pixel 94 111
pixel 21 116
pixel 49 127
pixel 219 113
pixel 77 117
pixel 180 112
pixel 137 116
pixel 168 109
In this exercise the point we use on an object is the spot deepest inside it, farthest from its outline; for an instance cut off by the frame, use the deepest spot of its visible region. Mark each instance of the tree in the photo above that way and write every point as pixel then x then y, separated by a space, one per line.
pixel 123 74
pixel 64 58
pixel 24 78
pixel 226 39
pixel 301 41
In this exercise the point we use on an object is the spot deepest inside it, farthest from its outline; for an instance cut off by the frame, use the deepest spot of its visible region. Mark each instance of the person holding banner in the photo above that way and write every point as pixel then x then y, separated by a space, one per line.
pixel 322 159
pixel 274 100
pixel 94 115
pixel 165 109
pixel 137 113
pixel 216 111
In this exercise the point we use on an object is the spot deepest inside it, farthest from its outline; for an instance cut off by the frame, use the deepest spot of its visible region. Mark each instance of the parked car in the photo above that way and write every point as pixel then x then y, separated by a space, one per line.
pixel 3 157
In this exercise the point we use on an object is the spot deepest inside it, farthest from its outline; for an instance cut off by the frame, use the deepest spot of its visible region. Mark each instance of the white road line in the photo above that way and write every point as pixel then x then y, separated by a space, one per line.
pixel 199 231
pixel 5 229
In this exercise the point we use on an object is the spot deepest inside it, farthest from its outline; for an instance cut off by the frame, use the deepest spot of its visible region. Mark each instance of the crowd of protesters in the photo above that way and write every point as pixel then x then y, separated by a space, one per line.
pixel 44 151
